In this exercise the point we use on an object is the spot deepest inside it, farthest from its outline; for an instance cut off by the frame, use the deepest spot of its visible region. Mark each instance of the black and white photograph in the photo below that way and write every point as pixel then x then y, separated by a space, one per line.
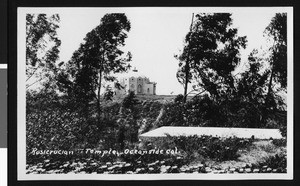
pixel 155 93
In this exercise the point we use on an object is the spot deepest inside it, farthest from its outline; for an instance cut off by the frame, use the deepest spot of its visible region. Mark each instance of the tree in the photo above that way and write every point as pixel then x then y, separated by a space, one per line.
pixel 277 32
pixel 108 94
pixel 42 47
pixel 248 103
pixel 127 122
pixel 251 87
pixel 184 72
pixel 254 105
pixel 96 61
pixel 210 54
pixel 129 101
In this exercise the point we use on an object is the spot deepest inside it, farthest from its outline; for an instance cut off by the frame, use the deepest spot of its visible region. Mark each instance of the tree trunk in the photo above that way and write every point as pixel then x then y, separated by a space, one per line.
pixel 99 86
pixel 270 85
pixel 98 96
pixel 187 69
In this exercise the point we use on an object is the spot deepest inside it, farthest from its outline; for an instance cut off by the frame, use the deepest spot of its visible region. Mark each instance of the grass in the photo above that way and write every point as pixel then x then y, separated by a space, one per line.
pixel 255 153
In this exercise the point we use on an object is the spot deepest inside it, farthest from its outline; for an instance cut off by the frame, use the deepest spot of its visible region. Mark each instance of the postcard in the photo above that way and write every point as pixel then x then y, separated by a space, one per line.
pixel 155 93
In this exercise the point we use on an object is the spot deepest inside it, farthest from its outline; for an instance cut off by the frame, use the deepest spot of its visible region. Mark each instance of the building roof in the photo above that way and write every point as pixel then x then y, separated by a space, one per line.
pixel 133 73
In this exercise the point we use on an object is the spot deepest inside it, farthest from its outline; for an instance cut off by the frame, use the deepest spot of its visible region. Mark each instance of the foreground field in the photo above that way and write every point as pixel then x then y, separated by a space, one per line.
pixel 247 156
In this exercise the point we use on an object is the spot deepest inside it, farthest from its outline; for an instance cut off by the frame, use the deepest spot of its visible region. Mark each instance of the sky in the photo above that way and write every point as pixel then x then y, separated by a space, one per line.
pixel 157 34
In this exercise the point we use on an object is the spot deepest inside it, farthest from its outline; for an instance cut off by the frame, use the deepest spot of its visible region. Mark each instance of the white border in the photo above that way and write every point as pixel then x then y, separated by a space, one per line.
pixel 290 92
pixel 3 167
pixel 21 125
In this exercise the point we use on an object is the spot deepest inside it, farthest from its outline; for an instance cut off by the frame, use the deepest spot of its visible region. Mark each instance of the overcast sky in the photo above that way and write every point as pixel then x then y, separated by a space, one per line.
pixel 157 34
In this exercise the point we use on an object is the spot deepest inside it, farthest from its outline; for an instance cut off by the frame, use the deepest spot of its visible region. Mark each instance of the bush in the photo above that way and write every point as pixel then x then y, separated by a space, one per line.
pixel 51 124
pixel 280 142
pixel 206 111
pixel 278 162
pixel 174 115
pixel 130 100
pixel 200 111
pixel 178 98
pixel 54 129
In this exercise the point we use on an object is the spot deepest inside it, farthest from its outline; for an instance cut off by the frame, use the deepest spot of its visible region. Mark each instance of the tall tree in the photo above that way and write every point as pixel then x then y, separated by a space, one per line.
pixel 42 47
pixel 252 84
pixel 251 95
pixel 277 32
pixel 211 52
pixel 186 69
pixel 98 58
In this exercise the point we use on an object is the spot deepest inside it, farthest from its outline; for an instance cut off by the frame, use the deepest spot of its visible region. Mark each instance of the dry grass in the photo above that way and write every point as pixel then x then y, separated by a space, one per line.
pixel 258 152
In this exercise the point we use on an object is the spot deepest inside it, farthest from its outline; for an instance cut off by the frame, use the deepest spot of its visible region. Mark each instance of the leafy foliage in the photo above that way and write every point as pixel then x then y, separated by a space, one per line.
pixel 108 94
pixel 211 53
pixel 97 59
pixel 278 162
pixel 179 98
pixel 42 47
pixel 129 101
pixel 49 125
pixel 277 31
pixel 231 112
pixel 252 84
pixel 280 142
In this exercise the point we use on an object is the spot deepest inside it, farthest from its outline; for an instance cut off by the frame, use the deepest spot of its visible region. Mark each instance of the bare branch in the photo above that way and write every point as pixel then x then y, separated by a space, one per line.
pixel 27 86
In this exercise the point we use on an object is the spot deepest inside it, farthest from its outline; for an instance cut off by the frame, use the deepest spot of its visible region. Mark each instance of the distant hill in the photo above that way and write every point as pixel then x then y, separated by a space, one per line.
pixel 160 98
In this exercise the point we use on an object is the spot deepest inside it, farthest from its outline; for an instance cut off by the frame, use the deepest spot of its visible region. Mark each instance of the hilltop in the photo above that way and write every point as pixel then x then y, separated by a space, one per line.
pixel 155 98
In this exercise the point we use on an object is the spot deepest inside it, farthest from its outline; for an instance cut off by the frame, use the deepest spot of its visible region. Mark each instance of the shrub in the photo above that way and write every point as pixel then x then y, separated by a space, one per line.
pixel 53 124
pixel 230 111
pixel 54 129
pixel 200 111
pixel 178 98
pixel 278 161
pixel 130 100
pixel 174 115
pixel 280 142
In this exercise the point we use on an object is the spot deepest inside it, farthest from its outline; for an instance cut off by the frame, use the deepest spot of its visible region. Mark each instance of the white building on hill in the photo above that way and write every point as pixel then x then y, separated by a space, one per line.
pixel 139 84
